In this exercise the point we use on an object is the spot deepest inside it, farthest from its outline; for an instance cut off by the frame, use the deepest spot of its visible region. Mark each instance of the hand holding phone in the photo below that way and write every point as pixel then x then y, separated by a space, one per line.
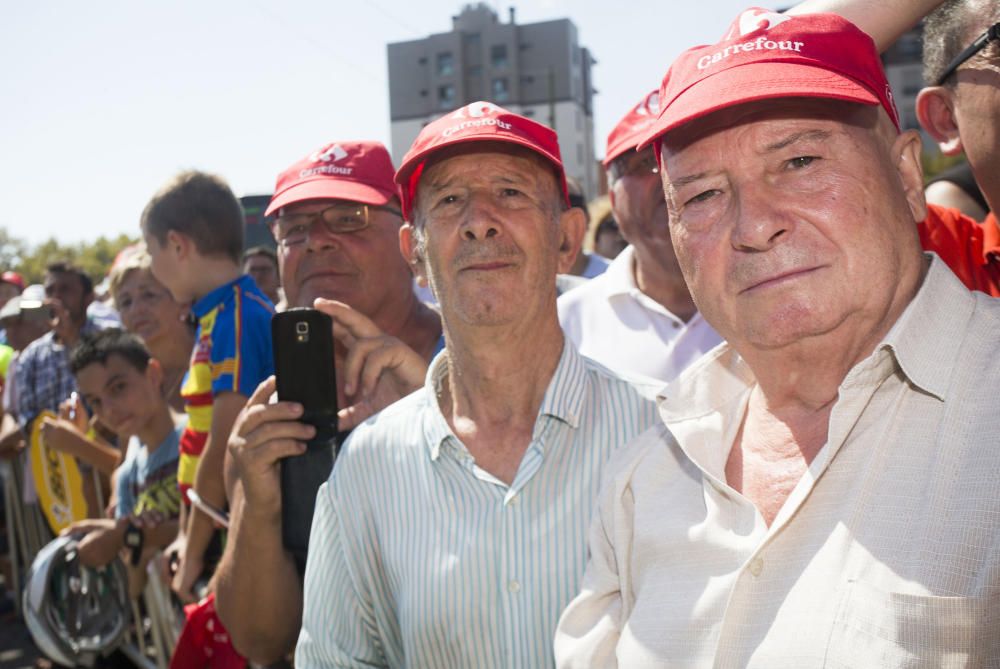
pixel 304 373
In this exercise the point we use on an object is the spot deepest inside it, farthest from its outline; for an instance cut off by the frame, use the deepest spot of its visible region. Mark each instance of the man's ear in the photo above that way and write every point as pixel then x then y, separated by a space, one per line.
pixel 572 228
pixel 411 252
pixel 906 153
pixel 936 113
pixel 179 244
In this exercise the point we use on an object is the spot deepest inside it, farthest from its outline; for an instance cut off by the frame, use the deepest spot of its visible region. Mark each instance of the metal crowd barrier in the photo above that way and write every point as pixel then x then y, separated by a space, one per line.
pixel 156 623
pixel 27 530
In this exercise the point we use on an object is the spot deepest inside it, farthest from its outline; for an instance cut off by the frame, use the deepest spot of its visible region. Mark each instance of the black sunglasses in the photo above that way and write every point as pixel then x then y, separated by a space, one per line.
pixel 992 34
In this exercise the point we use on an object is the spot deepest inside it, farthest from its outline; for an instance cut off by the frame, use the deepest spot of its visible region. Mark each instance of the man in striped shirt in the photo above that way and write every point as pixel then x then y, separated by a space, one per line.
pixel 452 530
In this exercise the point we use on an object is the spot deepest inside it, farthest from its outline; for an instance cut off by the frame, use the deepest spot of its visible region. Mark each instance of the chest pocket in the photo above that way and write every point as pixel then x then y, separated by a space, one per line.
pixel 875 628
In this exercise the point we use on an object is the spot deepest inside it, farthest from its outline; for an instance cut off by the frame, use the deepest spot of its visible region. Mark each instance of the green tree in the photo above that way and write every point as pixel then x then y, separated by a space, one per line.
pixel 12 250
pixel 94 257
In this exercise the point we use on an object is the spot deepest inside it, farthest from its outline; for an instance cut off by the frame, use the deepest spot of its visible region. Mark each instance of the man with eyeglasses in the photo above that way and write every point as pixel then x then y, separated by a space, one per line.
pixel 638 317
pixel 961 111
pixel 337 228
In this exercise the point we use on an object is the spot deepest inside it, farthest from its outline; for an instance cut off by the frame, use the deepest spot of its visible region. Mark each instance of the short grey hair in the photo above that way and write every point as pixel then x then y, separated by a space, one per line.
pixel 952 27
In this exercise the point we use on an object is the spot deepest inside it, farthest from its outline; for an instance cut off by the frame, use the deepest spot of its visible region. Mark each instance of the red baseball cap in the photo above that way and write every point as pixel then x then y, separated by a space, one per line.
pixel 13 278
pixel 632 128
pixel 768 55
pixel 476 122
pixel 352 170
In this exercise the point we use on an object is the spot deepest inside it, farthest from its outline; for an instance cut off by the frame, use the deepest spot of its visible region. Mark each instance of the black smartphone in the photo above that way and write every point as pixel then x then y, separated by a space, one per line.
pixel 304 371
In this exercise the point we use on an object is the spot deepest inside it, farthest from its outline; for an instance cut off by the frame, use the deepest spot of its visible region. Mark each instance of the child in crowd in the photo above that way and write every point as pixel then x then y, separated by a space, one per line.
pixel 193 229
pixel 121 382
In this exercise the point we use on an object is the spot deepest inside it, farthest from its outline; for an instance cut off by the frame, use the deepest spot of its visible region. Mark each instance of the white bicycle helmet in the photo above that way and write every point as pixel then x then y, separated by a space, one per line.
pixel 75 613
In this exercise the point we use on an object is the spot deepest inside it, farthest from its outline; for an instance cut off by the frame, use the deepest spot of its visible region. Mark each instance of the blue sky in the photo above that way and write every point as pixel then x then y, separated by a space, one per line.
pixel 104 101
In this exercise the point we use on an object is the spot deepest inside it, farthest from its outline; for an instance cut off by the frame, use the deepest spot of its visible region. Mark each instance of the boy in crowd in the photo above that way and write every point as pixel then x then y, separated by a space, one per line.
pixel 193 228
pixel 120 382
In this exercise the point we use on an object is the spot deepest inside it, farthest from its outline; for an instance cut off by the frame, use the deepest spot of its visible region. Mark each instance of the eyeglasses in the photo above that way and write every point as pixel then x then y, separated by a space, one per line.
pixel 991 35
pixel 627 166
pixel 293 229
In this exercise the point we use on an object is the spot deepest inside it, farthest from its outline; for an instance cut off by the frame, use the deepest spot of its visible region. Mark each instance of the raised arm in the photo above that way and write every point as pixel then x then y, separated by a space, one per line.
pixel 884 20
pixel 258 590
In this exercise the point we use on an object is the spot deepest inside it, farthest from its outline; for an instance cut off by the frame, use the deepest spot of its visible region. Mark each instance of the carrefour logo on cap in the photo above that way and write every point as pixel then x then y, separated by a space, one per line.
pixel 750 22
pixel 332 154
pixel 477 115
pixel 650 106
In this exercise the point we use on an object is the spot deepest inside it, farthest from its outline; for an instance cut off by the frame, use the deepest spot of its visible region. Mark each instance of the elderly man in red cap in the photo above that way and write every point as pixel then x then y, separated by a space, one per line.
pixel 337 226
pixel 451 532
pixel 823 491
pixel 638 317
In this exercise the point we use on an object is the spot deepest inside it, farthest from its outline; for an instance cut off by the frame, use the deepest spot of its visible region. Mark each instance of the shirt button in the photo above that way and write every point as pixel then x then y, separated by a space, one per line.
pixel 513 500
pixel 514 586
pixel 756 566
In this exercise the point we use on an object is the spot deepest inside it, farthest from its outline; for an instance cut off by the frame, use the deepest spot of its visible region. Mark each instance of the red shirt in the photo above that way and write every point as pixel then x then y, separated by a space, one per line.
pixel 970 249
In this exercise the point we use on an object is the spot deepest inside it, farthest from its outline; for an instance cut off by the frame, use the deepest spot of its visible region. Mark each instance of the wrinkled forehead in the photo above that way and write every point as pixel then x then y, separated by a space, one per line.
pixel 490 155
pixel 769 119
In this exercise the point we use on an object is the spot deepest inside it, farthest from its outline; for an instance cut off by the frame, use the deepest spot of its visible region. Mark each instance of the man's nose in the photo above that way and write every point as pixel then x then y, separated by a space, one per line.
pixel 481 219
pixel 320 237
pixel 761 220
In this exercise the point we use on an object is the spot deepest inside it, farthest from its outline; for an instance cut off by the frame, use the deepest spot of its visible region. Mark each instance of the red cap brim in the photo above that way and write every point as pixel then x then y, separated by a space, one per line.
pixel 753 82
pixel 408 185
pixel 329 189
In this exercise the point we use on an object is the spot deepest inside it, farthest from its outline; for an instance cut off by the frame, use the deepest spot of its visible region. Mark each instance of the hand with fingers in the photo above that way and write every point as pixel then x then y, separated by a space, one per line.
pixel 379 369
pixel 61 434
pixel 262 435
pixel 73 411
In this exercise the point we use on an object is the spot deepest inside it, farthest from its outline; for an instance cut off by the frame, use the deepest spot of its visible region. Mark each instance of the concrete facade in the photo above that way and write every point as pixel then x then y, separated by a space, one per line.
pixel 535 69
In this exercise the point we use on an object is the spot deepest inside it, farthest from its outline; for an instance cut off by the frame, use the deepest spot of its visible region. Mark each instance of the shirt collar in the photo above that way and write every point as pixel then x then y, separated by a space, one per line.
pixel 217 296
pixel 924 340
pixel 619 277
pixel 619 281
pixel 563 398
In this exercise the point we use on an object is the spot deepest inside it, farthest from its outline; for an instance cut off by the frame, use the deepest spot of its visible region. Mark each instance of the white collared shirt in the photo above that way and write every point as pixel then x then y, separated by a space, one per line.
pixel 420 558
pixel 886 554
pixel 613 322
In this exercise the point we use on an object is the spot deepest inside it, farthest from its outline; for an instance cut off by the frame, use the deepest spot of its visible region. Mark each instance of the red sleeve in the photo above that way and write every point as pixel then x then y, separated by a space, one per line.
pixel 958 240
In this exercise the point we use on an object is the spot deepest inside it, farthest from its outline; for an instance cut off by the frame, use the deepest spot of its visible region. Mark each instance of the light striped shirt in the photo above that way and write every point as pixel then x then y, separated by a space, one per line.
pixel 420 558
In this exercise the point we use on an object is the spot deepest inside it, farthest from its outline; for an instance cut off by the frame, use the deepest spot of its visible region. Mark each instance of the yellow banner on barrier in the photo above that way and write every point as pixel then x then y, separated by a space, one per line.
pixel 57 480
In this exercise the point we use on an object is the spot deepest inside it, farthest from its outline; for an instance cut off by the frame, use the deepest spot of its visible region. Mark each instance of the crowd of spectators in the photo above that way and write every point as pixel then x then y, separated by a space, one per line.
pixel 738 412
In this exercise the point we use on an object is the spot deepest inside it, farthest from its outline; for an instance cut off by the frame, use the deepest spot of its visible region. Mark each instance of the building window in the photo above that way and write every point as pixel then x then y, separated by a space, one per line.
pixel 445 64
pixel 446 96
pixel 498 55
pixel 474 70
pixel 500 91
